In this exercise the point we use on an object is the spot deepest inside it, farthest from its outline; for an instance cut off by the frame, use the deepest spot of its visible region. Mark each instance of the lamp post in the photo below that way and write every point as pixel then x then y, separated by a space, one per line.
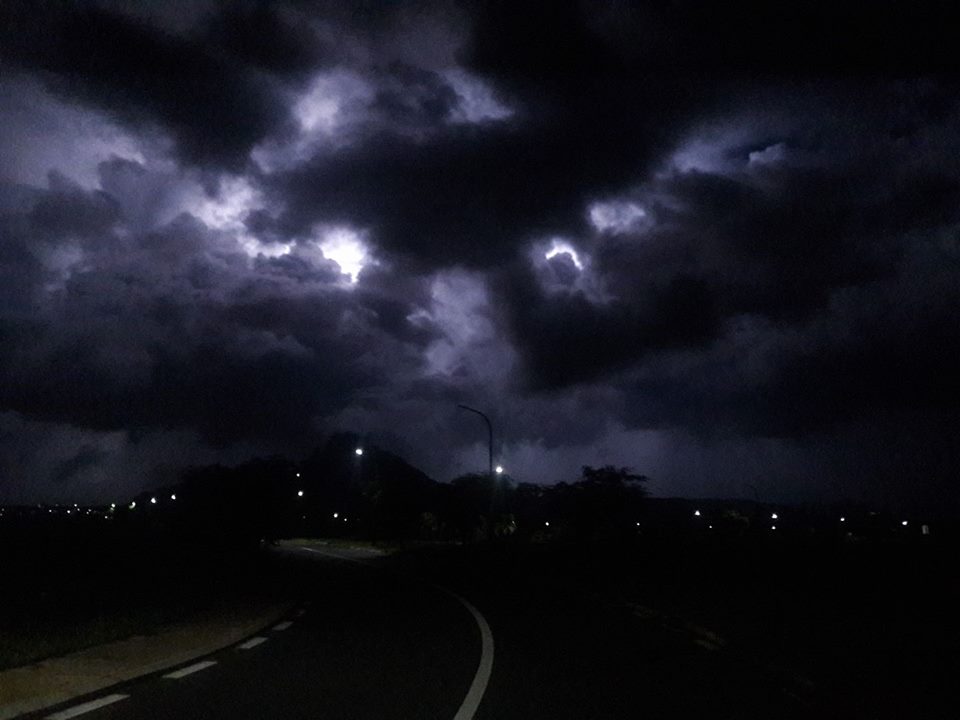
pixel 493 483
pixel 489 434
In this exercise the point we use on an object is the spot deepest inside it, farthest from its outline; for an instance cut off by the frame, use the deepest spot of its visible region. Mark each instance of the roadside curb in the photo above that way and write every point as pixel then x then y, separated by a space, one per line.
pixel 58 680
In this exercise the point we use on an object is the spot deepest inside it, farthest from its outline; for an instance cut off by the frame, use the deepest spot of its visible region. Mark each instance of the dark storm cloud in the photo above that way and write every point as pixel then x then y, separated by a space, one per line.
pixel 612 222
pixel 212 103
pixel 176 327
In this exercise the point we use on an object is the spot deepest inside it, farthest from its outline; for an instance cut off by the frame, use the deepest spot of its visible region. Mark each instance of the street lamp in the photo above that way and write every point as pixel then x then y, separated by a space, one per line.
pixel 489 433
pixel 359 451
pixel 299 493
pixel 499 469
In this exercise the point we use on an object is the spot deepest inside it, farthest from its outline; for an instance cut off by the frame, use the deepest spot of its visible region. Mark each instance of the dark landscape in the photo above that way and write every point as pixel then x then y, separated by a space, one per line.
pixel 479 359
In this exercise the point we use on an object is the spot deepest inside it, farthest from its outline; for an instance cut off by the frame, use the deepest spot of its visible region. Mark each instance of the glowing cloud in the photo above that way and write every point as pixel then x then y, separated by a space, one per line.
pixel 346 249
pixel 477 102
pixel 559 247
pixel 616 217
pixel 330 97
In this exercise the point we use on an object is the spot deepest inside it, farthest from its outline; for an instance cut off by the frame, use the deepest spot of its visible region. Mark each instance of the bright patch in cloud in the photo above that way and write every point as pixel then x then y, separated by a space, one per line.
pixel 558 247
pixel 346 249
pixel 616 217
pixel 477 100
pixel 237 197
pixel 769 155
pixel 331 100
pixel 227 211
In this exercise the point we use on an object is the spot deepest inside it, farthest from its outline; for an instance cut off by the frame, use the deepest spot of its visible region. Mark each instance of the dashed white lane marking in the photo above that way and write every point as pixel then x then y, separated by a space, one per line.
pixel 482 677
pixel 252 643
pixel 282 626
pixel 196 667
pixel 87 707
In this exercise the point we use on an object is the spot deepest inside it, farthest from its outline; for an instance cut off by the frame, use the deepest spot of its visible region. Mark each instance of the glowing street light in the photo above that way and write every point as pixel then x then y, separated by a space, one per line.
pixel 298 474
pixel 904 523
pixel 774 516
pixel 359 451
pixel 498 469
pixel 696 513
pixel 546 524
pixel 773 527
pixel 843 519
pixel 336 515
pixel 133 504
pixel 153 501
pixel 299 493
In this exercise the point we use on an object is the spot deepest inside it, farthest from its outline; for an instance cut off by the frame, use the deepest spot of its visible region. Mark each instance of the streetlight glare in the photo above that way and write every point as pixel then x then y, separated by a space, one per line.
pixel 774 516
pixel 359 451
pixel 298 474
pixel 904 523
pixel 696 513
pixel 173 496
pixel 843 519
pixel 336 515
pixel 153 501
pixel 299 493
pixel 547 523
pixel 499 469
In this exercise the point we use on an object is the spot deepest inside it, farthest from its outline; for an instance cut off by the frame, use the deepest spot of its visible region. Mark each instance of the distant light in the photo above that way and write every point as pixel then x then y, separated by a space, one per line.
pixel 547 523
pixel 904 523
pixel 153 501
pixel 113 506
pixel 298 474
pixel 173 496
pixel 68 512
pixel 843 519
pixel 336 515
pixel 133 504
pixel 75 505
pixel 359 451
pixel 696 513
pixel 344 519
pixel 638 524
pixel 499 469
pixel 773 527
pixel 773 516
pixel 710 527
pixel 299 493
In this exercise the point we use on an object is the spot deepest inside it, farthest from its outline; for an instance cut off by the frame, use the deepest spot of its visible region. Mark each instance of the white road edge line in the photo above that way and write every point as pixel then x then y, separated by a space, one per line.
pixel 251 643
pixel 189 670
pixel 283 625
pixel 87 707
pixel 479 685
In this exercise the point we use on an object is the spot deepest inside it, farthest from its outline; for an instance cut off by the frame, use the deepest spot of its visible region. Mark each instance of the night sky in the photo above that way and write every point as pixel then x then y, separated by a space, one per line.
pixel 718 245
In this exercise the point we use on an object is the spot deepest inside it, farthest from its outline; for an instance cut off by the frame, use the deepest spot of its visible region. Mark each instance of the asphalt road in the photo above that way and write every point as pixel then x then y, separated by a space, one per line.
pixel 374 643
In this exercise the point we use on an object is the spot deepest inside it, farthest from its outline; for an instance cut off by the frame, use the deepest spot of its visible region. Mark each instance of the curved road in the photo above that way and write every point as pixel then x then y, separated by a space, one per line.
pixel 369 643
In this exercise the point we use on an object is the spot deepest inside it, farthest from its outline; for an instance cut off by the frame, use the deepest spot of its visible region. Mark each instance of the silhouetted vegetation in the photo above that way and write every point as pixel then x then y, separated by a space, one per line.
pixel 377 495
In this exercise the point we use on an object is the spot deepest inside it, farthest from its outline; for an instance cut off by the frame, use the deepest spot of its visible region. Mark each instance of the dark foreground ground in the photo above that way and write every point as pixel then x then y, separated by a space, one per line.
pixel 682 627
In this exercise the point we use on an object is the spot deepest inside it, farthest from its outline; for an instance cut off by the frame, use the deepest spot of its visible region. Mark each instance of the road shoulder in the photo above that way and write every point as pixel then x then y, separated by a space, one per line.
pixel 57 680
